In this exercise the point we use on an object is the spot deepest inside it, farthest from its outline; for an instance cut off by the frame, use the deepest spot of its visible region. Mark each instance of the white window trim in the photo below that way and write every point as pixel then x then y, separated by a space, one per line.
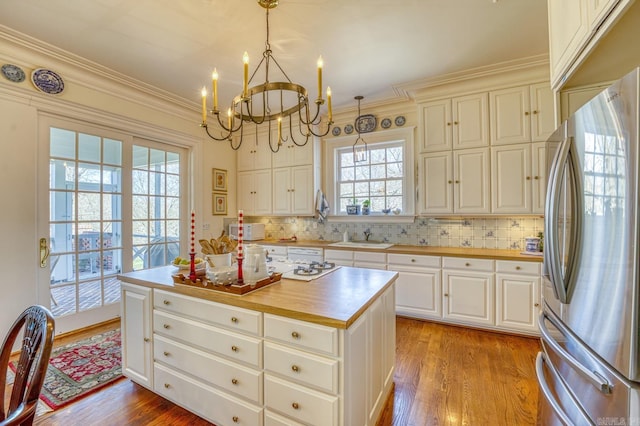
pixel 331 176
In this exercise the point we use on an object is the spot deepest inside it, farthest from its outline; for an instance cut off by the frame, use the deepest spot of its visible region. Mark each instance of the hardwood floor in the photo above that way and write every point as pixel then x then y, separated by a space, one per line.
pixel 445 375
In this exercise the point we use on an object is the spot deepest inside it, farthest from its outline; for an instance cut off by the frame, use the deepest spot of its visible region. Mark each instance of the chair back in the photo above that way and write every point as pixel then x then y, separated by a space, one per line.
pixel 37 325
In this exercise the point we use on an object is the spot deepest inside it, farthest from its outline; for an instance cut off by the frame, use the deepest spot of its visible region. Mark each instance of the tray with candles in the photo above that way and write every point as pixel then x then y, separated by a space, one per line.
pixel 230 287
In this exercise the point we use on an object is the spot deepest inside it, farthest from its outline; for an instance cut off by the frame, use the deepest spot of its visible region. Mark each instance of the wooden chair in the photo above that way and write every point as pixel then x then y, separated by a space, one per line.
pixel 37 342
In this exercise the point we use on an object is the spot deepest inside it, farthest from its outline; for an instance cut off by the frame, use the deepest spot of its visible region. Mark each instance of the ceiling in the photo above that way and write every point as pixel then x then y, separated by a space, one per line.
pixel 368 46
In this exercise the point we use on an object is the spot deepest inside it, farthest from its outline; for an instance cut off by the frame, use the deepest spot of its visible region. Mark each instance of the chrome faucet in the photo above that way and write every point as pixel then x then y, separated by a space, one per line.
pixel 367 234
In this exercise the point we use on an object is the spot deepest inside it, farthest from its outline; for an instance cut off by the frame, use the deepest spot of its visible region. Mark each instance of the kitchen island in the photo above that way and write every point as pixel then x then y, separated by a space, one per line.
pixel 319 352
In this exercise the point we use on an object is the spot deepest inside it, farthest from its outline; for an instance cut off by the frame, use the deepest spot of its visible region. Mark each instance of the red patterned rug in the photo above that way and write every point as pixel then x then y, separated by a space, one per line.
pixel 81 368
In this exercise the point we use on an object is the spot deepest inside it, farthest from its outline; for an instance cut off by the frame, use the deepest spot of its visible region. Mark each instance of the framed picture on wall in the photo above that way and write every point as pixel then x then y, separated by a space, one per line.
pixel 219 201
pixel 219 180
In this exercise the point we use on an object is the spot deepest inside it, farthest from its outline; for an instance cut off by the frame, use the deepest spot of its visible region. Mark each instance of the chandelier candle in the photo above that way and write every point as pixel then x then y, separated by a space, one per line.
pixel 214 83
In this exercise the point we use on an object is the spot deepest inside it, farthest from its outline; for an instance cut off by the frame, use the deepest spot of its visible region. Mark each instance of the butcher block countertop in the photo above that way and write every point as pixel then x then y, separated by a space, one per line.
pixel 478 253
pixel 334 300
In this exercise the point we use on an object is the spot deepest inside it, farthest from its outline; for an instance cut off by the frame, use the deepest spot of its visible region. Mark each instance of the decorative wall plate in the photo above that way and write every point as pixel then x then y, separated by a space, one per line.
pixel 336 131
pixel 366 123
pixel 400 120
pixel 348 129
pixel 47 81
pixel 13 73
pixel 385 123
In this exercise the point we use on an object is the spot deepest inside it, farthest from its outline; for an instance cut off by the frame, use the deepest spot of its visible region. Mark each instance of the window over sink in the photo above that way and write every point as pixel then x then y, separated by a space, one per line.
pixel 384 178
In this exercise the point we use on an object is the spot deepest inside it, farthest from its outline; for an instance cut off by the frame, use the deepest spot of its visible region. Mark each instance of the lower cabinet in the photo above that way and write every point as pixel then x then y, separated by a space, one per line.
pixel 468 290
pixel 235 366
pixel 517 295
pixel 418 288
pixel 137 347
pixel 339 257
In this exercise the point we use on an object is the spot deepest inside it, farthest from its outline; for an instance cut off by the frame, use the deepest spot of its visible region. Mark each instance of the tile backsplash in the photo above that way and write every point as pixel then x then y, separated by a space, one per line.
pixel 501 233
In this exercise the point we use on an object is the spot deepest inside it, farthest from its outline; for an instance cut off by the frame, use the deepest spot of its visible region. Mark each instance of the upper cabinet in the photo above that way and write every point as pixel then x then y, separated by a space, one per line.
pixel 291 154
pixel 591 41
pixel 254 153
pixel 460 122
pixel 521 114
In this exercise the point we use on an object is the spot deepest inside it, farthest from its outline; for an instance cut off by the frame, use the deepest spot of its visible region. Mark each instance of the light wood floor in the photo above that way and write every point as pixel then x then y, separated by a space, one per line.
pixel 445 375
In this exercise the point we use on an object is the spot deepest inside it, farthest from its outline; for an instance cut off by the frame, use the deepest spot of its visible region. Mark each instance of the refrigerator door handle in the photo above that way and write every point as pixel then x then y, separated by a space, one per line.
pixel 548 394
pixel 551 255
pixel 595 378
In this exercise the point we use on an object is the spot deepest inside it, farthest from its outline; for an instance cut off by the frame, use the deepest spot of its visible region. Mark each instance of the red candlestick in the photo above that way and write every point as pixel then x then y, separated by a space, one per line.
pixel 192 272
pixel 193 232
pixel 240 248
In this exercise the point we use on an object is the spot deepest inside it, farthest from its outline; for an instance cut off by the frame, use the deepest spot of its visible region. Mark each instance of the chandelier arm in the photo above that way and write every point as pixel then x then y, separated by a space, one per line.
pixel 278 145
pixel 306 134
pixel 309 121
pixel 321 134
pixel 222 138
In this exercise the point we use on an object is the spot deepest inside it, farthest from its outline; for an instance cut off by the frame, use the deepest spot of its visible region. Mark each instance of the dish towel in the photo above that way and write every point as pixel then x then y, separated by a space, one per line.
pixel 322 206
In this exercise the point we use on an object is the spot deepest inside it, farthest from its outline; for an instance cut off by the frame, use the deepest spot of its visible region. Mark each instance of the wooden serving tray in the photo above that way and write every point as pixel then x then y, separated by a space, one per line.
pixel 205 283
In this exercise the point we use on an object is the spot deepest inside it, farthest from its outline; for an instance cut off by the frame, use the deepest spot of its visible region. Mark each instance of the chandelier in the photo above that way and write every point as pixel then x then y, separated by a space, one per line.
pixel 269 103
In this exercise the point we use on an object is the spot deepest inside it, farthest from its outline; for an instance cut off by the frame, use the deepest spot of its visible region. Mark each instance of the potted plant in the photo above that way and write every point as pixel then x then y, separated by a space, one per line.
pixel 366 205
pixel 354 207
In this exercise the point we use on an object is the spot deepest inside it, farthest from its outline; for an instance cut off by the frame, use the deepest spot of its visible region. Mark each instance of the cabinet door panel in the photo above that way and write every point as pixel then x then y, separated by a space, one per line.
pixel 517 301
pixel 543 116
pixel 468 297
pixel 471 191
pixel 262 196
pixel 302 186
pixel 418 293
pixel 470 121
pixel 511 179
pixel 510 111
pixel 137 354
pixel 568 29
pixel 436 125
pixel 437 184
pixel 281 191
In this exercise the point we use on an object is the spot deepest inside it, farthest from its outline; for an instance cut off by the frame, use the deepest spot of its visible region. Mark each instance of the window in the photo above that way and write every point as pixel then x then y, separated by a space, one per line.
pixel 384 178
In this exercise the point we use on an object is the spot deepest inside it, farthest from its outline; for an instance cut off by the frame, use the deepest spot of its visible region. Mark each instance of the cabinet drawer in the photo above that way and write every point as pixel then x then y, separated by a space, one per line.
pixel 509 266
pixel 232 377
pixel 467 264
pixel 338 254
pixel 305 335
pixel 302 367
pixel 204 400
pixel 412 260
pixel 230 345
pixel 303 404
pixel 226 316
pixel 273 419
pixel 369 256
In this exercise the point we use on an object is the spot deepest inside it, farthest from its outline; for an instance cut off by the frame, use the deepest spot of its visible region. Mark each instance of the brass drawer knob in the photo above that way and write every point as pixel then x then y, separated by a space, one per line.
pixel 234 348
pixel 234 381
pixel 295 405
pixel 518 268
pixel 446 295
pixel 166 326
pixel 146 339
pixel 167 385
pixel 295 368
pixel 165 353
pixel 234 320
pixel 467 264
pixel 166 302
pixel 295 335
pixel 235 419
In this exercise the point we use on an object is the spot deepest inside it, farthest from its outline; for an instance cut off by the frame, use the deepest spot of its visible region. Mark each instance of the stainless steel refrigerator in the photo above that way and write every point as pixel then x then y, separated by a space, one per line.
pixel 589 366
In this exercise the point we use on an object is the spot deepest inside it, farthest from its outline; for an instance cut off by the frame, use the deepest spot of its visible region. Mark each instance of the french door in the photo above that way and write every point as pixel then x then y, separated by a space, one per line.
pixel 113 205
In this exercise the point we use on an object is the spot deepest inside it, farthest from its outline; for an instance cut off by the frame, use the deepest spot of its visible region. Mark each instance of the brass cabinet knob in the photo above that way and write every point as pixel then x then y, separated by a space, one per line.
pixel 234 320
pixel 535 112
pixel 165 353
pixel 166 302
pixel 295 368
pixel 234 348
pixel 536 304
pixel 528 177
pixel 518 268
pixel 413 260
pixel 234 381
pixel 295 335
pixel 536 177
pixel 457 181
pixel 146 339
pixel 450 181
pixel 526 113
pixel 467 264
pixel 446 295
pixel 166 326
pixel 295 405
pixel 235 419
pixel 455 122
pixel 167 385
pixel 448 123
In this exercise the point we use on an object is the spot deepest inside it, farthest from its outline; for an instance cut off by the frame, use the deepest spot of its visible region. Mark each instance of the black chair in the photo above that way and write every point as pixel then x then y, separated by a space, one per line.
pixel 31 369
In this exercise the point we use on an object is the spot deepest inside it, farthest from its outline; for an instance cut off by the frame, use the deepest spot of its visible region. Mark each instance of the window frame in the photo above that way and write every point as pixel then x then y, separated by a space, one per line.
pixel 332 147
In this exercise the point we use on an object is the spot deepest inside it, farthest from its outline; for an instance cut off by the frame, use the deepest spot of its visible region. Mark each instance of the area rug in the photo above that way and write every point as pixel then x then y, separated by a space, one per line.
pixel 81 368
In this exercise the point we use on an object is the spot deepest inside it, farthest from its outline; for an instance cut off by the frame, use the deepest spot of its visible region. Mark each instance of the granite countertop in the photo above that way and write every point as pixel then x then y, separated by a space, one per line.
pixel 479 253
pixel 326 300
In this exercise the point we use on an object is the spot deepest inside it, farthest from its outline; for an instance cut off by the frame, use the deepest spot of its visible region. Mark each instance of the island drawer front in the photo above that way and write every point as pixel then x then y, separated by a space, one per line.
pixel 412 260
pixel 230 317
pixel 273 419
pixel 234 378
pixel 302 367
pixel 231 345
pixel 210 403
pixel 511 266
pixel 303 404
pixel 485 265
pixel 301 334
pixel 370 256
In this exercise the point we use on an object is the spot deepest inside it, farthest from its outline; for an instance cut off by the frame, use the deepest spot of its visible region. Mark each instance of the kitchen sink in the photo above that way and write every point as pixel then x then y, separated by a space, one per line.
pixel 361 244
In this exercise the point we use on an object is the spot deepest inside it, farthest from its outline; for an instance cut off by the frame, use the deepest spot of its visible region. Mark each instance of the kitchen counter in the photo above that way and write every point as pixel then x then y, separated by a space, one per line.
pixel 479 253
pixel 325 301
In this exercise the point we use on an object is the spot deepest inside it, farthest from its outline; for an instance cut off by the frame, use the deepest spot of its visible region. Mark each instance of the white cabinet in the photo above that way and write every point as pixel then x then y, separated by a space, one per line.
pixel 517 295
pixel 460 122
pixel 369 259
pixel 418 288
pixel 254 153
pixel 455 182
pixel 291 154
pixel 293 190
pixel 254 192
pixel 137 334
pixel 568 31
pixel 468 291
pixel 519 177
pixel 339 257
pixel 521 114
